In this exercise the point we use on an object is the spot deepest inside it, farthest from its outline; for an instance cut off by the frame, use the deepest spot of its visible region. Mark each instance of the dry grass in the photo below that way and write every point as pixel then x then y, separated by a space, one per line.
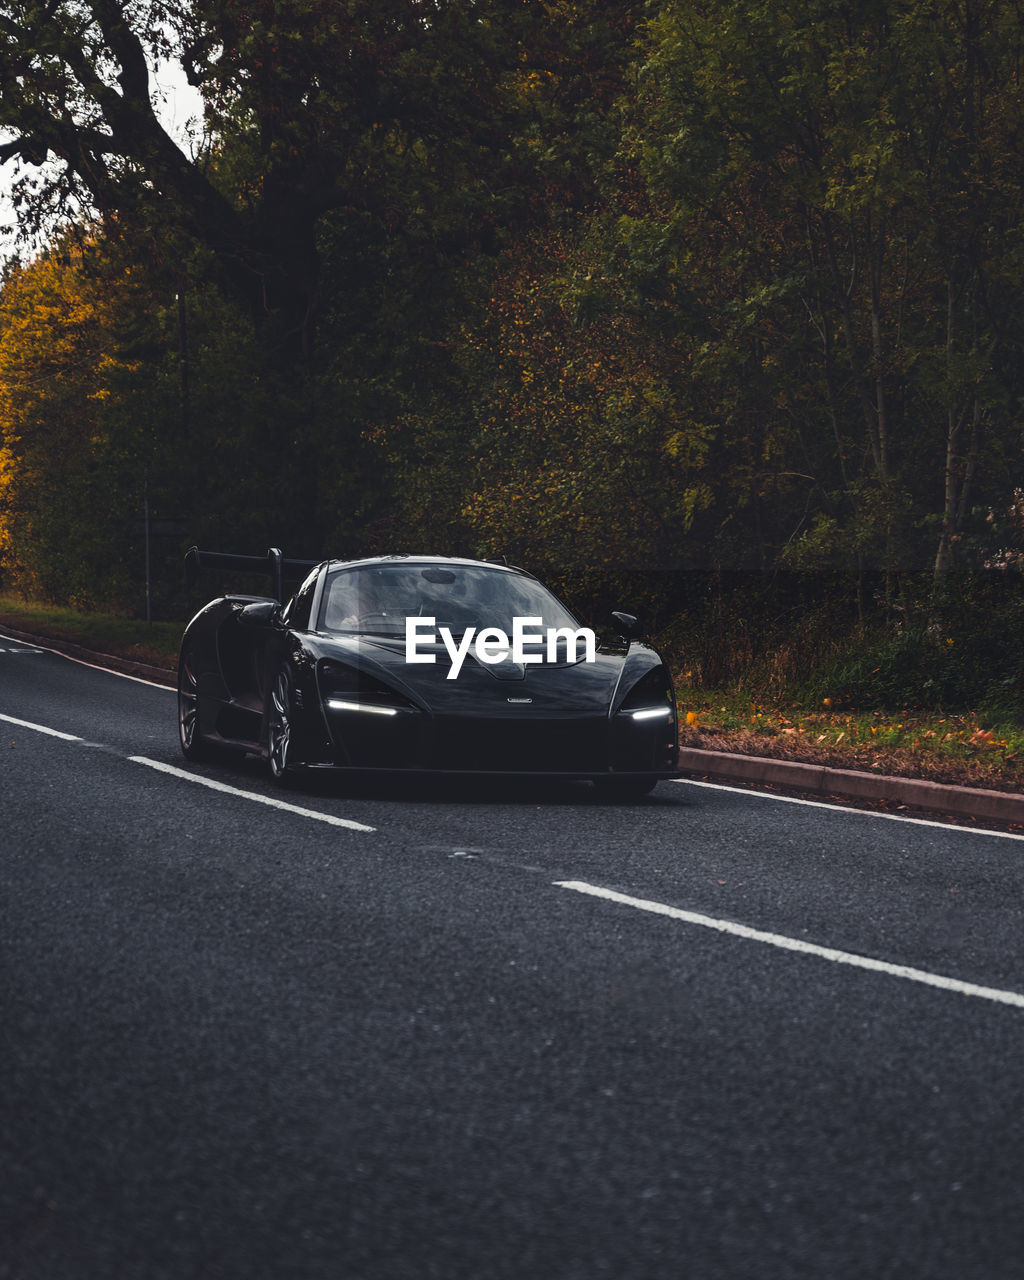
pixel 948 749
pixel 155 643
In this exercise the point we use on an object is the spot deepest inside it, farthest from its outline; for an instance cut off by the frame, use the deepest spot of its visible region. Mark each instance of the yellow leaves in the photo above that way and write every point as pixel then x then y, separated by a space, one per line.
pixel 63 379
pixel 692 719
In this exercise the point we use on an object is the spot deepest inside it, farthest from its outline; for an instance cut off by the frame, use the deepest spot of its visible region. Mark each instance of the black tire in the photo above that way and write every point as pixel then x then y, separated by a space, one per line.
pixel 280 725
pixel 623 790
pixel 192 745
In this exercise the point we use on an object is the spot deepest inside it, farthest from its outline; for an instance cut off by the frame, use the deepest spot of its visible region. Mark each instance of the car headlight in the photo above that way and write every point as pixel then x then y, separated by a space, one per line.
pixel 346 689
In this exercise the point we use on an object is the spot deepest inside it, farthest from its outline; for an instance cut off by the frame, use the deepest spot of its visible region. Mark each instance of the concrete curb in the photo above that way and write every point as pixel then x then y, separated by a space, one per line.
pixel 965 802
pixel 109 661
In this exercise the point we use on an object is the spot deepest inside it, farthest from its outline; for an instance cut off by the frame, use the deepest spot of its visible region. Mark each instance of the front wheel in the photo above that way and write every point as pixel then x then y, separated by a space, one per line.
pixel 280 720
pixel 192 745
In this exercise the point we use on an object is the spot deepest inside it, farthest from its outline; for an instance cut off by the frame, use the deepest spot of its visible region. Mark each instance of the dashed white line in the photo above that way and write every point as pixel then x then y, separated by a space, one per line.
pixel 796 944
pixel 272 801
pixel 40 728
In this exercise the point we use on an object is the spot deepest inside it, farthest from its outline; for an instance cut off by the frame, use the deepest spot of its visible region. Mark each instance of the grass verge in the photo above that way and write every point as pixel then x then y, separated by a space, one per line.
pixel 155 643
pixel 963 750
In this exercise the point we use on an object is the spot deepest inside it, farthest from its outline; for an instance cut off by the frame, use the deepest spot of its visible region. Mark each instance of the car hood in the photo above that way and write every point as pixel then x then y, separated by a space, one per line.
pixel 561 689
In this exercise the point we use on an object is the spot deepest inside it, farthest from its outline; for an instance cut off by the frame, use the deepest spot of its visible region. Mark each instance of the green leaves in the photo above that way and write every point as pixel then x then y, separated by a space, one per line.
pixel 813 179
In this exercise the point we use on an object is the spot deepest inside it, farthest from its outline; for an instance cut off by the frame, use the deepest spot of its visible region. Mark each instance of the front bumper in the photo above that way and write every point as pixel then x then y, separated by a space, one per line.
pixel 584 747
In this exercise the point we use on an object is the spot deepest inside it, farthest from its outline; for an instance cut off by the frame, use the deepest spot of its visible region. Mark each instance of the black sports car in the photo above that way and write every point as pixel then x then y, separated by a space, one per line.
pixel 421 664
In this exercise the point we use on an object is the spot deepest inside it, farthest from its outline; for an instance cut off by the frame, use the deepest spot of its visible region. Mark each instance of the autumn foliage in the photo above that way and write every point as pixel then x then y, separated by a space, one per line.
pixel 670 304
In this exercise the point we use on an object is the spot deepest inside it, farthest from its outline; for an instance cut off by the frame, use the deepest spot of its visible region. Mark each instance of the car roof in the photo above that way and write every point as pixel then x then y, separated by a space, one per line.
pixel 415 559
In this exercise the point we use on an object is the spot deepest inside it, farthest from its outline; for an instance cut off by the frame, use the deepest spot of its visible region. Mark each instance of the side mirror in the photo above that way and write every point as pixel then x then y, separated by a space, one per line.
pixel 627 625
pixel 261 613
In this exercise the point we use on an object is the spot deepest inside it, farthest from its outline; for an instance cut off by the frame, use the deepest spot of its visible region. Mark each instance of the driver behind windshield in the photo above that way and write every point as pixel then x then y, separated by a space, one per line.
pixel 370 600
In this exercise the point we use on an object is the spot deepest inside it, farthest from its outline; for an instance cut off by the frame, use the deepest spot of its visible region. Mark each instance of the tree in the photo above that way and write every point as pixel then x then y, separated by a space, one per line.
pixel 71 452
pixel 314 107
pixel 831 190
pixel 585 453
pixel 115 387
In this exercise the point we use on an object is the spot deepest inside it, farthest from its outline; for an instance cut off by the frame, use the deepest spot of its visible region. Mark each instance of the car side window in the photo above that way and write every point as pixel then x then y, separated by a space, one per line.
pixel 302 603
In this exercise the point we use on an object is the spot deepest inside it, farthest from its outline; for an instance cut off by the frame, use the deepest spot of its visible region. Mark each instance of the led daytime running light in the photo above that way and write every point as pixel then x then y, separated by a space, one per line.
pixel 338 704
pixel 649 713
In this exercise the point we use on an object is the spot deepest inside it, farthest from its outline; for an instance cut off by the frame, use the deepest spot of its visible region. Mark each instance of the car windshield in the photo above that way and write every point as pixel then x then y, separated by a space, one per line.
pixel 377 599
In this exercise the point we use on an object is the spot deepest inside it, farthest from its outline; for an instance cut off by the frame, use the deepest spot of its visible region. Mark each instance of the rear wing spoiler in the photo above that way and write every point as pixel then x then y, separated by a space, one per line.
pixel 273 564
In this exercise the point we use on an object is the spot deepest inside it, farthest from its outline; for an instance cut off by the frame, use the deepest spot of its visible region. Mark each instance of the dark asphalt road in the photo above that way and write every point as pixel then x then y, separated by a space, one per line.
pixel 237 1041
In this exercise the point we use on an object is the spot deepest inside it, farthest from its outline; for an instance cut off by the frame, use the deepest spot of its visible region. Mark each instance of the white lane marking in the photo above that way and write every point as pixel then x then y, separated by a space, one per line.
pixel 350 823
pixel 252 795
pixel 796 944
pixel 40 728
pixel 95 667
pixel 850 808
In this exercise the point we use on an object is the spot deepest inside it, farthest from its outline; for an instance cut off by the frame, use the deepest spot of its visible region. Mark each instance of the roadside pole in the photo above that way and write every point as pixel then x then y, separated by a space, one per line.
pixel 145 514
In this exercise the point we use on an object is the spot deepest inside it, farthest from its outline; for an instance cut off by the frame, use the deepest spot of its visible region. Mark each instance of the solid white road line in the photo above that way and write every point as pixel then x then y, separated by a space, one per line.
pixel 796 944
pixel 94 666
pixel 272 801
pixel 850 808
pixel 40 728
